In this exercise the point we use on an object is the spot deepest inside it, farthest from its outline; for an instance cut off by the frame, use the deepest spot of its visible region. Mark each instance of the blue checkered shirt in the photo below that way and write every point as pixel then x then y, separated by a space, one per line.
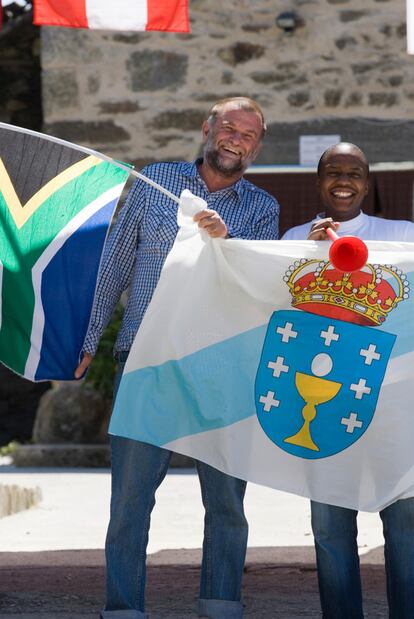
pixel 145 232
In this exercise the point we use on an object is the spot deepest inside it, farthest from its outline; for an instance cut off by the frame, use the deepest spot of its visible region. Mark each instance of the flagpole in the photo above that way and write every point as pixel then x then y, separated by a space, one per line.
pixel 90 151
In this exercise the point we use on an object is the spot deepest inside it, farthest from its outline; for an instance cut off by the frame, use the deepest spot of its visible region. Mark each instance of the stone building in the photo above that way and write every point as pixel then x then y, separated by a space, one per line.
pixel 341 69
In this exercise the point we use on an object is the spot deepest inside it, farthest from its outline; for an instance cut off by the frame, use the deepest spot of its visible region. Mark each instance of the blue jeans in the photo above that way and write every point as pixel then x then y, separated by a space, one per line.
pixel 335 531
pixel 137 471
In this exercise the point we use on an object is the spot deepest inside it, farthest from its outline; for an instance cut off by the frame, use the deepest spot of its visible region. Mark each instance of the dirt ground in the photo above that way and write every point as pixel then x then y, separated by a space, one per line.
pixel 278 582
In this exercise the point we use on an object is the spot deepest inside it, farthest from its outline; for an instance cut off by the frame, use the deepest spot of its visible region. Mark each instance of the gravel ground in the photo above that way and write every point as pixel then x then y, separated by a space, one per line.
pixel 70 584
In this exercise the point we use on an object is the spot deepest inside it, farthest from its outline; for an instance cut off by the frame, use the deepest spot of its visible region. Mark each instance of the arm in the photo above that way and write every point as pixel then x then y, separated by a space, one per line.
pixel 115 273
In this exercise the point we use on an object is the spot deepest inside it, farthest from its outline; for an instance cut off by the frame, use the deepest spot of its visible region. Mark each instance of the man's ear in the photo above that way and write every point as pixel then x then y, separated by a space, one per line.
pixel 367 187
pixel 205 129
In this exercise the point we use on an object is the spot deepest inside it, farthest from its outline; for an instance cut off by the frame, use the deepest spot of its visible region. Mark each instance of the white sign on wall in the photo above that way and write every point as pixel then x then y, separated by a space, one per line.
pixel 410 26
pixel 311 147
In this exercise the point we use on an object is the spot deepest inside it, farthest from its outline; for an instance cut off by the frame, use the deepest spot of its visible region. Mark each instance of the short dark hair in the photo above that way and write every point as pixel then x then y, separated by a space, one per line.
pixel 241 103
pixel 328 151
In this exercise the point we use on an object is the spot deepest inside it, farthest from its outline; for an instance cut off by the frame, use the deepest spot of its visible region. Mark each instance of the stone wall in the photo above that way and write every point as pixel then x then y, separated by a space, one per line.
pixel 142 96
pixel 20 93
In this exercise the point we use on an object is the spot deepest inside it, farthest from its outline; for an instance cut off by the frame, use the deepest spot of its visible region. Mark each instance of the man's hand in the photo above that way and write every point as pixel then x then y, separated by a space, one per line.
pixel 318 230
pixel 212 223
pixel 83 365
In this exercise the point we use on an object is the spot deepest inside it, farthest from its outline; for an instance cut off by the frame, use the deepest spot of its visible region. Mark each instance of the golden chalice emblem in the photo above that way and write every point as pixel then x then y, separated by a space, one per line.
pixel 314 391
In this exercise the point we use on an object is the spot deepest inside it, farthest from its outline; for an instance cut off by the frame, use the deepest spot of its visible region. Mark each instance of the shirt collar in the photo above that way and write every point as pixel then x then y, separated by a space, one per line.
pixel 191 171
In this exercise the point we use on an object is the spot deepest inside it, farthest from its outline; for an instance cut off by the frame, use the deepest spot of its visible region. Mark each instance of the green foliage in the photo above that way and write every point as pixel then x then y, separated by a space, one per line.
pixel 102 370
pixel 7 450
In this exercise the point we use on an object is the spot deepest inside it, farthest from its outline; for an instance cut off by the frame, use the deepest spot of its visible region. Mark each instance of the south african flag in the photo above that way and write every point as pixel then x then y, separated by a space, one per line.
pixel 56 204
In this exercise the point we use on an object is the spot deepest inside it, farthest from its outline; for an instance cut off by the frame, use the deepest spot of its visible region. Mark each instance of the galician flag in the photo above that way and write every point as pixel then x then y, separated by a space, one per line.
pixel 56 204
pixel 263 360
pixel 165 15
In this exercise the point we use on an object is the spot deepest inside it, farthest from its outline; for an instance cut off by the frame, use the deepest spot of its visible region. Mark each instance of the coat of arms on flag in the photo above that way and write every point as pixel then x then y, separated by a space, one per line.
pixel 56 204
pixel 319 378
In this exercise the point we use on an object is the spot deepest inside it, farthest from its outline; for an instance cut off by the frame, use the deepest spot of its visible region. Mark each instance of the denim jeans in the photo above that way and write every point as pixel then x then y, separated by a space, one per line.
pixel 137 471
pixel 335 531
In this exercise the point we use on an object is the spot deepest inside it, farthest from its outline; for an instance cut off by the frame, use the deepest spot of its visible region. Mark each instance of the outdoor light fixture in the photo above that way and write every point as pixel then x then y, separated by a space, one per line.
pixel 288 21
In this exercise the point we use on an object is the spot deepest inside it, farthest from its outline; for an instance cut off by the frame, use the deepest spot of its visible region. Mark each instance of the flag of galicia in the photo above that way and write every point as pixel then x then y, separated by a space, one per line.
pixel 56 203
pixel 318 382
pixel 277 368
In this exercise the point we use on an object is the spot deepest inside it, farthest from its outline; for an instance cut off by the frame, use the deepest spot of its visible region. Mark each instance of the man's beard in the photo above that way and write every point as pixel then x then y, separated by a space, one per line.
pixel 213 157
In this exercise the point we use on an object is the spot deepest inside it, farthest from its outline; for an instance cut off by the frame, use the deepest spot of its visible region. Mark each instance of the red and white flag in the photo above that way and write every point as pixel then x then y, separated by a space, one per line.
pixel 166 15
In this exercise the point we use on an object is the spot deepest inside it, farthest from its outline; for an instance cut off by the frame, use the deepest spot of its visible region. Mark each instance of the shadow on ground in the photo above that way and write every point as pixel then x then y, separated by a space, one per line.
pixel 278 582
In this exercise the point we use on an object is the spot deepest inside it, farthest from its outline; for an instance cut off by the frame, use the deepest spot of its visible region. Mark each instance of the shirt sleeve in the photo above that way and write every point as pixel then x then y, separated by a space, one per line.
pixel 117 264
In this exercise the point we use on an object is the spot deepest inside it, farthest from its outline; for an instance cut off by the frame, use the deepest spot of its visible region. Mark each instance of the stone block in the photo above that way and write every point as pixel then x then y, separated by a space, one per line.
pixel 345 42
pixel 333 97
pixel 298 98
pixel 240 52
pixel 187 120
pixel 155 70
pixel 257 27
pixel 83 132
pixel 60 90
pixel 62 456
pixel 354 99
pixel 348 16
pixel 119 107
pixel 14 499
pixel 130 38
pixel 65 47
pixel 385 99
pixel 77 456
pixel 71 413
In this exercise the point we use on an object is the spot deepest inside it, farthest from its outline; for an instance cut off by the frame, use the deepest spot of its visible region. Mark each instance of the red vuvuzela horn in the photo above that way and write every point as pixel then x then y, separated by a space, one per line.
pixel 347 253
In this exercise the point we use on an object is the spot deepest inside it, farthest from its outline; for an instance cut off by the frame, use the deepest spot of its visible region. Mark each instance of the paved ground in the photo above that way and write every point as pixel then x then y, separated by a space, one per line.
pixel 52 564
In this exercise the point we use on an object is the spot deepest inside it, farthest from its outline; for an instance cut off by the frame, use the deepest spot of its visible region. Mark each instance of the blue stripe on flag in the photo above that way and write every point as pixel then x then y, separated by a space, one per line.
pixel 173 409
pixel 69 282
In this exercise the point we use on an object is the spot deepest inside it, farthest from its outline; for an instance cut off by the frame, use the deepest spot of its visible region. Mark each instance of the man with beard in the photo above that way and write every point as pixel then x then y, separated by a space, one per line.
pixel 138 246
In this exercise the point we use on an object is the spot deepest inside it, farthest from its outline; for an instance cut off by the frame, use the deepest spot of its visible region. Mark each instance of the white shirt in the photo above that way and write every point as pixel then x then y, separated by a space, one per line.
pixel 366 227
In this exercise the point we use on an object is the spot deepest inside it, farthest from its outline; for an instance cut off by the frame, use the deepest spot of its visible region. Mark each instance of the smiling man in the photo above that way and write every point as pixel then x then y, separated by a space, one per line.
pixel 138 246
pixel 343 183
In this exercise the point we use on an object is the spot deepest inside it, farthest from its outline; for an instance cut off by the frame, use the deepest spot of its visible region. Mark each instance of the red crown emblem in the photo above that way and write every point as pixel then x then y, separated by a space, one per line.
pixel 364 297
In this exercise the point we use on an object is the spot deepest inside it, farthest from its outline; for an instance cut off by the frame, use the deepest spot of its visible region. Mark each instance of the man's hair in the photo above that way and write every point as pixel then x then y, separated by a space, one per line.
pixel 240 103
pixel 328 151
